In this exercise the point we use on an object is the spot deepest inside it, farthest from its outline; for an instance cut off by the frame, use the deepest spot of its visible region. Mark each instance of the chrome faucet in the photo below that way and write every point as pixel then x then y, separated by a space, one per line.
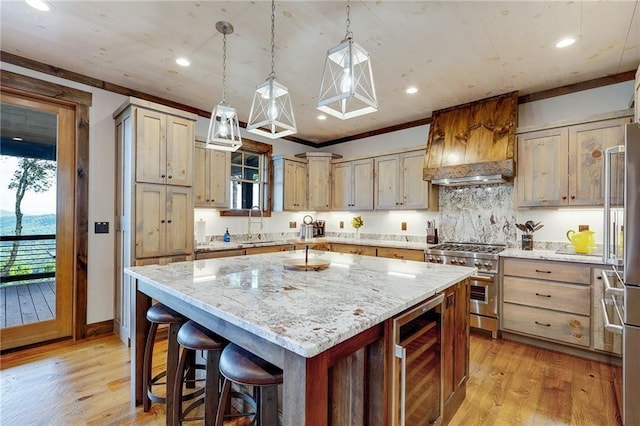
pixel 250 221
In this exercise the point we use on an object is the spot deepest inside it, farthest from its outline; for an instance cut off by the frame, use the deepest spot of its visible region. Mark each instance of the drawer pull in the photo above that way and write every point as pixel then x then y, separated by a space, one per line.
pixel 543 272
pixel 539 323
pixel 543 295
pixel 398 256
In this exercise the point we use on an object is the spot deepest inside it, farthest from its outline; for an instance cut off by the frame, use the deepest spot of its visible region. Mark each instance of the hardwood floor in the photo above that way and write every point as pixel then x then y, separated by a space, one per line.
pixel 515 384
pixel 510 384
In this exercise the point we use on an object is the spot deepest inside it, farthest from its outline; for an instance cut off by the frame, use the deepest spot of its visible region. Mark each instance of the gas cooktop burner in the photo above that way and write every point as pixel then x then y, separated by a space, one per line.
pixel 469 248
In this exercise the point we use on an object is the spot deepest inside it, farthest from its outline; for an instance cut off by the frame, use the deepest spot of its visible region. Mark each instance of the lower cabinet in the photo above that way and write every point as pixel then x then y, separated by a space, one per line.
pixel 547 299
pixel 455 348
pixel 353 249
pixel 401 253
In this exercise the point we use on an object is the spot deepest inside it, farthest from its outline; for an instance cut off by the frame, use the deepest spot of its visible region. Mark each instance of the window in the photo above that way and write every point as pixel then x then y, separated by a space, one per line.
pixel 250 180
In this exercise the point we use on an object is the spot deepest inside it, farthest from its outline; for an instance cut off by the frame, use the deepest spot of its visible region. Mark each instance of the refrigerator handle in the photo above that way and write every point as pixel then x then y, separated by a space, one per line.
pixel 606 238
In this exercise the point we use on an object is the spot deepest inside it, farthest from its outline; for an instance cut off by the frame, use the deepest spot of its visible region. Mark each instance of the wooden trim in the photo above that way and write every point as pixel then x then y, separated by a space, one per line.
pixel 44 88
pixel 93 82
pixel 99 328
pixel 624 113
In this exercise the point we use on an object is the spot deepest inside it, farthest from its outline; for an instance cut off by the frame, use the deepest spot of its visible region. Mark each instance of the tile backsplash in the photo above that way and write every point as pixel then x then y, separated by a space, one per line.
pixel 482 214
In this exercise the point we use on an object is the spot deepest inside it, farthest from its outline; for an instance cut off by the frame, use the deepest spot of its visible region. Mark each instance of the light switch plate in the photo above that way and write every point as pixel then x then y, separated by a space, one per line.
pixel 341 224
pixel 101 228
pixel 293 225
pixel 403 226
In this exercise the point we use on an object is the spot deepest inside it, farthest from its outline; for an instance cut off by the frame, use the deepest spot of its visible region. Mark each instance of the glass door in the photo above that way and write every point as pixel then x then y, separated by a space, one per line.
pixel 37 157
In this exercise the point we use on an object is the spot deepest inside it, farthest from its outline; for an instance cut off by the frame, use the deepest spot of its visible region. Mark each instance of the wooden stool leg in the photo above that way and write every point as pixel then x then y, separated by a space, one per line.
pixel 212 386
pixel 225 398
pixel 173 352
pixel 268 405
pixel 174 418
pixel 147 364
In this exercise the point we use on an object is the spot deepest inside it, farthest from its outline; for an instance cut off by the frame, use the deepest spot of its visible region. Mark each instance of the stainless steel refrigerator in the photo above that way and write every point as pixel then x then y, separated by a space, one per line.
pixel 622 251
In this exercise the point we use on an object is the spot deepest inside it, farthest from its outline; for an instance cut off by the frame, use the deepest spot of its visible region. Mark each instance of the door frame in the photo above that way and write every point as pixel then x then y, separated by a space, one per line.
pixel 80 101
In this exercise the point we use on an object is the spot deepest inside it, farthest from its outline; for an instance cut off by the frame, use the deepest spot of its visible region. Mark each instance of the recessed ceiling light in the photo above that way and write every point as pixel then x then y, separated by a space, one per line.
pixel 183 62
pixel 411 90
pixel 16 138
pixel 41 5
pixel 565 42
pixel 322 117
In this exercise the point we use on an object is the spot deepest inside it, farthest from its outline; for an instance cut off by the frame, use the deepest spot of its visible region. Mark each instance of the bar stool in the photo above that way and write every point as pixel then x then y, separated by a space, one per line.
pixel 194 337
pixel 242 367
pixel 156 315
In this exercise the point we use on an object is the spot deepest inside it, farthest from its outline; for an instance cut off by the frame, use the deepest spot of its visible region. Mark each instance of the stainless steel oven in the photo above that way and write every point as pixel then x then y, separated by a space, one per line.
pixel 483 306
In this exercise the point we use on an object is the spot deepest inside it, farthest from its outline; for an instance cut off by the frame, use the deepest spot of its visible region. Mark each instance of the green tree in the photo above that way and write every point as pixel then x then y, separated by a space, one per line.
pixel 31 174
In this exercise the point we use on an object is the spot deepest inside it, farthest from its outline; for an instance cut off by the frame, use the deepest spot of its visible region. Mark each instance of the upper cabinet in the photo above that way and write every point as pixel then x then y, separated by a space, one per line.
pixel 352 185
pixel 211 177
pixel 563 166
pixel 319 181
pixel 398 182
pixel 164 148
pixel 289 183
pixel 636 98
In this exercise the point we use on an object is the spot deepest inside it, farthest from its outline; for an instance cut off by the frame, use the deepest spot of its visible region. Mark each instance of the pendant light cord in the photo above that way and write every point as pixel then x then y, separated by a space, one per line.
pixel 224 65
pixel 349 34
pixel 273 45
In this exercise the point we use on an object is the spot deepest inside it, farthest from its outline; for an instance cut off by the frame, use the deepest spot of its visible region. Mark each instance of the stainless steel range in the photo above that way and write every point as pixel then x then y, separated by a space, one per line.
pixel 483 310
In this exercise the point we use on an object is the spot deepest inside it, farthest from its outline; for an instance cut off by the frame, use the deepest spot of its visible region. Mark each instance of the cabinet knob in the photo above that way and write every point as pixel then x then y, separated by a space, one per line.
pixel 162 221
pixel 169 221
pixel 573 197
pixel 169 176
pixel 163 176
pixel 564 197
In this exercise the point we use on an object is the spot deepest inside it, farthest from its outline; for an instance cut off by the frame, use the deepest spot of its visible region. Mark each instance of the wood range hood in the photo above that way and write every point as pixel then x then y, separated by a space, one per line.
pixel 474 143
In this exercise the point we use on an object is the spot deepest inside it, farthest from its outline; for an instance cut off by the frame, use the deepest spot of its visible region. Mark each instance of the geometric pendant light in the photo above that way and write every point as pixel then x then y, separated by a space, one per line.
pixel 224 129
pixel 347 89
pixel 271 110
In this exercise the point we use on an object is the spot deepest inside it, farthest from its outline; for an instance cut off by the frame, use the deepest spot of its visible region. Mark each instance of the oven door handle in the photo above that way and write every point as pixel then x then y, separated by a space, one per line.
pixel 482 278
pixel 616 329
pixel 608 288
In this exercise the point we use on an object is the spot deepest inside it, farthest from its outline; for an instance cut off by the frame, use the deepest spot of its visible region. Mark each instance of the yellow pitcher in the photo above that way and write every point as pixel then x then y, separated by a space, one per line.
pixel 584 241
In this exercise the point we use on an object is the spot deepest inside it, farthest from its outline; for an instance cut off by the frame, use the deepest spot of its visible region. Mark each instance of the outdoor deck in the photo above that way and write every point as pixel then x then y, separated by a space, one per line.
pixel 27 303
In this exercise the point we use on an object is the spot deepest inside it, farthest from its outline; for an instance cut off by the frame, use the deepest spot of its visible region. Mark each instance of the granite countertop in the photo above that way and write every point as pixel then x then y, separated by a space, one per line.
pixel 552 255
pixel 305 312
pixel 219 245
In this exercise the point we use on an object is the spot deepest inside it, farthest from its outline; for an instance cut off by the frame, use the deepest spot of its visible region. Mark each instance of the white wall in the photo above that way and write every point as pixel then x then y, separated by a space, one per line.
pixel 102 170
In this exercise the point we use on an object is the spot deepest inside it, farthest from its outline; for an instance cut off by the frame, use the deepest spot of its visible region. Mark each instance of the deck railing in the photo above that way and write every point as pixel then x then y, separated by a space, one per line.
pixel 35 258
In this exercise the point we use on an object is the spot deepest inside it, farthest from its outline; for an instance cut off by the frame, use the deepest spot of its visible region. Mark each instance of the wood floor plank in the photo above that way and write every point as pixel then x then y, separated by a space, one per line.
pixel 12 306
pixel 41 307
pixel 27 309
pixel 49 291
pixel 3 307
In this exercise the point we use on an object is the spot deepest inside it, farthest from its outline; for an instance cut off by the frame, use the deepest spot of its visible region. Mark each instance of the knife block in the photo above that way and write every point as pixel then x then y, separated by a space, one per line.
pixel 432 236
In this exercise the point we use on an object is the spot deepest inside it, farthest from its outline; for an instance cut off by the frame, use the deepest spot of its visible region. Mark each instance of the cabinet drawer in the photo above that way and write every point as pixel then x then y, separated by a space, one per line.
pixel 553 271
pixel 549 295
pixel 399 253
pixel 354 249
pixel 569 328
pixel 220 253
pixel 269 249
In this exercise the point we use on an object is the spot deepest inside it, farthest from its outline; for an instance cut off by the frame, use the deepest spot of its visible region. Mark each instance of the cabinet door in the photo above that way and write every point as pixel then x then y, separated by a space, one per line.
pixel 587 143
pixel 341 186
pixel 179 221
pixel 150 220
pixel 362 188
pixel 151 151
pixel 386 182
pixel 179 155
pixel 543 168
pixel 200 178
pixel 218 172
pixel 319 172
pixel 415 191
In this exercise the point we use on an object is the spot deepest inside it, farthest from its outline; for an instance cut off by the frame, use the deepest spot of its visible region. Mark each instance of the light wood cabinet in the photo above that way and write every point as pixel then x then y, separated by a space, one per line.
pixel 154 194
pixel 398 182
pixel 290 184
pixel 164 148
pixel 401 253
pixel 352 185
pixel 211 177
pixel 319 181
pixel 563 166
pixel 353 249
pixel 547 299
pixel 455 344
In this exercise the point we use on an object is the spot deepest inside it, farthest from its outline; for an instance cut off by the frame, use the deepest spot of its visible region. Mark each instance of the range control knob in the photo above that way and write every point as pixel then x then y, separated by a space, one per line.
pixel 454 262
pixel 487 265
pixel 477 263
pixel 431 259
pixel 462 262
pixel 438 259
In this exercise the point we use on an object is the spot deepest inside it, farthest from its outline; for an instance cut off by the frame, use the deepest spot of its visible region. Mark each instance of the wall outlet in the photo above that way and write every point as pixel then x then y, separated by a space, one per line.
pixel 342 224
pixel 293 224
pixel 403 226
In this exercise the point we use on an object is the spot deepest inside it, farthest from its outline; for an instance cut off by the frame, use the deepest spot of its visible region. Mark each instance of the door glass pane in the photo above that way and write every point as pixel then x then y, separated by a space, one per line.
pixel 28 215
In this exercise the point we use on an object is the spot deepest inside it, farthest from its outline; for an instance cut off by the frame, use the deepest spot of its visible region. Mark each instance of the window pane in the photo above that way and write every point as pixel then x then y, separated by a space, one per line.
pixel 252 160
pixel 236 157
pixel 236 172
pixel 251 175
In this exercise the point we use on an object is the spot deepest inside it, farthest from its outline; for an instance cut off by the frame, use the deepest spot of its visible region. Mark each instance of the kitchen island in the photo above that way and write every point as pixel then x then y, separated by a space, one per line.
pixel 305 322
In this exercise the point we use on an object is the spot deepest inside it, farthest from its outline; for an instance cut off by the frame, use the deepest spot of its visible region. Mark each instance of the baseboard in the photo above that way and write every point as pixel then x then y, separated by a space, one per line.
pixel 99 328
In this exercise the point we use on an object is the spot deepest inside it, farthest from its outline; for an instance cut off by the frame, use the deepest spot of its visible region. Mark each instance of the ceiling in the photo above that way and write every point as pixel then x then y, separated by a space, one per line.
pixel 454 52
